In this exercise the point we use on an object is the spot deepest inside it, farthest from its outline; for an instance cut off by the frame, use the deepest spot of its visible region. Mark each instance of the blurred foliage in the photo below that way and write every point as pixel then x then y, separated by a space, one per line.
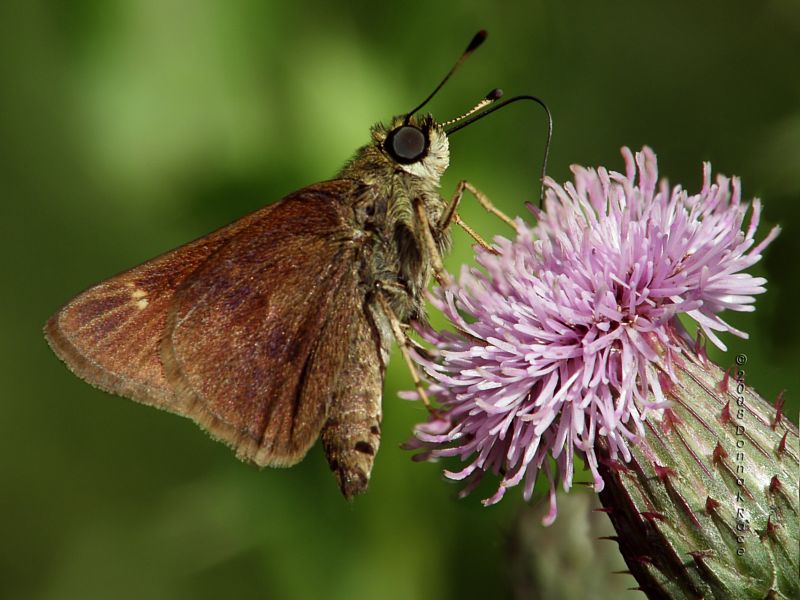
pixel 129 127
pixel 575 565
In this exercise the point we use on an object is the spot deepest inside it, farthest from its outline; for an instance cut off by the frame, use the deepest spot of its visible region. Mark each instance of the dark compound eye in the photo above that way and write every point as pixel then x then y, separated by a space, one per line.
pixel 407 144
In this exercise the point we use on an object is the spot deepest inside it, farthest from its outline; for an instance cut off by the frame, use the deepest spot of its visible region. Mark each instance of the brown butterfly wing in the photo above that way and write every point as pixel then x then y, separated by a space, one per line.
pixel 260 332
pixel 258 337
pixel 109 335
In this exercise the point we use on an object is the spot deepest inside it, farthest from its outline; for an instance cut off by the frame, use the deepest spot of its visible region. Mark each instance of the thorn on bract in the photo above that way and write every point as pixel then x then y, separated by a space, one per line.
pixel 653 516
pixel 778 410
pixel 610 538
pixel 771 528
pixel 782 444
pixel 666 383
pixel 663 472
pixel 711 504
pixel 670 420
pixel 725 415
pixel 723 385
pixel 700 348
pixel 700 555
pixel 613 465
pixel 719 453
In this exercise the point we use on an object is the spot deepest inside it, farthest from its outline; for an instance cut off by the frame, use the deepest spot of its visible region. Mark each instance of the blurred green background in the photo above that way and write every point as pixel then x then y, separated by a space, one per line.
pixel 130 127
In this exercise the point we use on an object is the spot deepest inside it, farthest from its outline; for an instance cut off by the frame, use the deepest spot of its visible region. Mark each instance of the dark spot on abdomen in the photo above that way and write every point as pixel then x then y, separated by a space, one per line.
pixel 365 448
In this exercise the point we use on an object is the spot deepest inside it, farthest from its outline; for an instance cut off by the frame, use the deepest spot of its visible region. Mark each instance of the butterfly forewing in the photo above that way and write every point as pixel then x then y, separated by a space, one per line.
pixel 109 335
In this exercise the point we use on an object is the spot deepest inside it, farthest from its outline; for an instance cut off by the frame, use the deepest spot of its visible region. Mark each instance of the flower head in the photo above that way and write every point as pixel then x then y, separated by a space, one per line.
pixel 568 336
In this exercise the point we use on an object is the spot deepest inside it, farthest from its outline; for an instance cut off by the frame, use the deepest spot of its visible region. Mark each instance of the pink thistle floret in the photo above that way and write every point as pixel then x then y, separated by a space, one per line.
pixel 569 335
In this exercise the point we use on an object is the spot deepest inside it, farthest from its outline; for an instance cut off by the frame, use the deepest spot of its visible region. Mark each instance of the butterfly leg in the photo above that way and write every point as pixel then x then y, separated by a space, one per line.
pixel 430 245
pixel 404 343
pixel 473 234
pixel 450 214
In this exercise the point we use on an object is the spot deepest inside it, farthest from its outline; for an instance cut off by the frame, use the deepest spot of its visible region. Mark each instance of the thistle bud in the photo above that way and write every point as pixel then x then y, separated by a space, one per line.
pixel 707 506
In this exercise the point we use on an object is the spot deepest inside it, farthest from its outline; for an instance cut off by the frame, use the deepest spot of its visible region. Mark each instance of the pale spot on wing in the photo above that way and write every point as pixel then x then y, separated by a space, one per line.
pixel 141 304
pixel 138 294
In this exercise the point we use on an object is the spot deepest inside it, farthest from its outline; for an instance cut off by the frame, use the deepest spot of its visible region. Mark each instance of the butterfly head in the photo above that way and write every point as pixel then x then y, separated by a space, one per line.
pixel 418 145
pixel 415 145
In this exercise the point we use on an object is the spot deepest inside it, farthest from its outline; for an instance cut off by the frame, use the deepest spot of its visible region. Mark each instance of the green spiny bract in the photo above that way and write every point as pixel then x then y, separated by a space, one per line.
pixel 707 507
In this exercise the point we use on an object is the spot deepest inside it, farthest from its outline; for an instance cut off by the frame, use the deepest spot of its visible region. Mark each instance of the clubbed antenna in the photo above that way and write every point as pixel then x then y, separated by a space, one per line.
pixel 495 94
pixel 476 41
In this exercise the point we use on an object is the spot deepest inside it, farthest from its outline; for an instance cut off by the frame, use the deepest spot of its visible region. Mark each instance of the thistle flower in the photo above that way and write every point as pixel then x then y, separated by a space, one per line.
pixel 569 338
